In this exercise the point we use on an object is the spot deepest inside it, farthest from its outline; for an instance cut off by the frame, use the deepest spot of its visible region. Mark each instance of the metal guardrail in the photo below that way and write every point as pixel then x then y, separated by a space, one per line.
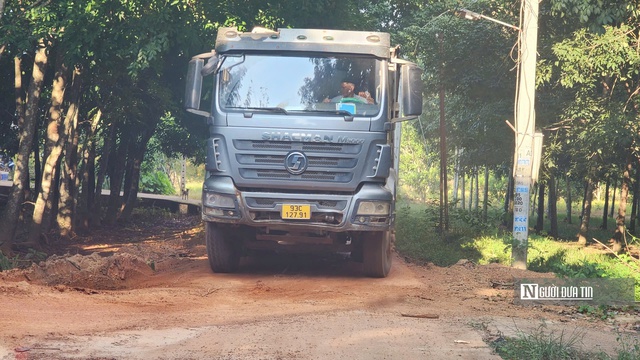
pixel 171 202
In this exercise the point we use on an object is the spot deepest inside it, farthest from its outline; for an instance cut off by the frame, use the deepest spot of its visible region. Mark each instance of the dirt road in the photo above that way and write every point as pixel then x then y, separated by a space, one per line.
pixel 148 293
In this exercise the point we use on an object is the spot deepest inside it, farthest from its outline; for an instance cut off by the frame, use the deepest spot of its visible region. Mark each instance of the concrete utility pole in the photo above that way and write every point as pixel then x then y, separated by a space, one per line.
pixel 525 127
pixel 183 174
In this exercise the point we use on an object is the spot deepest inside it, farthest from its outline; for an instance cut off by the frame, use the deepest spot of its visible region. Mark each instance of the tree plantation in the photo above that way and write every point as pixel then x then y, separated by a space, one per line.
pixel 91 99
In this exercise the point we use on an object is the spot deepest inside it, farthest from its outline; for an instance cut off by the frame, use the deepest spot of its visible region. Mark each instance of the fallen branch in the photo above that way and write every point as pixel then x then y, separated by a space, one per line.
pixel 21 349
pixel 422 316
pixel 616 255
pixel 496 284
pixel 210 291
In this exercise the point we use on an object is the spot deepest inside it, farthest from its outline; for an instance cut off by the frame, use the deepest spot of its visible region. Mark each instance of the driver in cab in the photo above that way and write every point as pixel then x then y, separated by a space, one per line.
pixel 347 94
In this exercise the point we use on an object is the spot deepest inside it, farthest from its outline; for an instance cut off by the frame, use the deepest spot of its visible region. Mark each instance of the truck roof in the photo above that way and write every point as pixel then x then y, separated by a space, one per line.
pixel 309 40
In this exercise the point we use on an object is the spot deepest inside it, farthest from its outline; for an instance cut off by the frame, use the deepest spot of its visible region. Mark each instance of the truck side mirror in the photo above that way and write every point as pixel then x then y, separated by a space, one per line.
pixel 193 88
pixel 412 85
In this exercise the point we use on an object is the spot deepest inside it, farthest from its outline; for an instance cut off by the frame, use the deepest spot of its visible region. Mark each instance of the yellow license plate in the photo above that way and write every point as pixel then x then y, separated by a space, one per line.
pixel 293 211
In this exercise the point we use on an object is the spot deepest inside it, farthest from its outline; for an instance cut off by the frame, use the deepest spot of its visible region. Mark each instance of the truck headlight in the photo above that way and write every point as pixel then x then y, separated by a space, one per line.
pixel 219 201
pixel 373 208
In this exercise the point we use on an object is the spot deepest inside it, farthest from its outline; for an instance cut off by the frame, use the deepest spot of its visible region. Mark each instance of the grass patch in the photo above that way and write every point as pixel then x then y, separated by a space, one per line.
pixel 417 238
pixel 471 238
pixel 21 260
pixel 195 189
pixel 541 344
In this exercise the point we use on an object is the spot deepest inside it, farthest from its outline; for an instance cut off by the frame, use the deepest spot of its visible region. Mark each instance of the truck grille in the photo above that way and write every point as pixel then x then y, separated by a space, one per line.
pixel 264 160
pixel 281 145
pixel 308 175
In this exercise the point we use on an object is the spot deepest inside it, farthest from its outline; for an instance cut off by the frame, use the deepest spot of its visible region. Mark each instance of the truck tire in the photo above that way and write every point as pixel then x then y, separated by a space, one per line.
pixel 222 251
pixel 376 251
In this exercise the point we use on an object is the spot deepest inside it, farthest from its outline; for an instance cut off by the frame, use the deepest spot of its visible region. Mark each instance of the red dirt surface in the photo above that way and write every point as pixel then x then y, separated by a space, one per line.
pixel 146 291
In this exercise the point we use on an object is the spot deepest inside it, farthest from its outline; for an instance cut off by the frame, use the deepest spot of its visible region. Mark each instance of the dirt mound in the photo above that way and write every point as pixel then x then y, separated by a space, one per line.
pixel 118 271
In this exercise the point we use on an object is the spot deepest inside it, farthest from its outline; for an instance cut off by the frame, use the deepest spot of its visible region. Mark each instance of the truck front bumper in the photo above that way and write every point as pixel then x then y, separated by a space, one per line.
pixel 368 209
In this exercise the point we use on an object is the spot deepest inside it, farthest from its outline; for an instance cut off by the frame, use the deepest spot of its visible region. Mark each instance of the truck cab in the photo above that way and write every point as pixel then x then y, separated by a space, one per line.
pixel 303 147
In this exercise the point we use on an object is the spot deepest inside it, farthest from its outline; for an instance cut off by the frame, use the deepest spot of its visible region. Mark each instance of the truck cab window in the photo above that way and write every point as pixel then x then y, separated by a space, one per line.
pixel 299 84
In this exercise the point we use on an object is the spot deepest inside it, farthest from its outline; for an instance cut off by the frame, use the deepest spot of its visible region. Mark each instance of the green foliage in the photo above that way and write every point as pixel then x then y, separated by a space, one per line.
pixel 541 344
pixel 6 263
pixel 586 58
pixel 416 170
pixel 595 13
pixel 629 348
pixel 492 250
pixel 156 182
pixel 20 260
pixel 601 312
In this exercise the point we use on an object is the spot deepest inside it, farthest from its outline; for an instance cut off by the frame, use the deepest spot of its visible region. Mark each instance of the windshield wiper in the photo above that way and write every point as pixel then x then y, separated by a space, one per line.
pixel 275 109
pixel 278 110
pixel 337 112
pixel 347 115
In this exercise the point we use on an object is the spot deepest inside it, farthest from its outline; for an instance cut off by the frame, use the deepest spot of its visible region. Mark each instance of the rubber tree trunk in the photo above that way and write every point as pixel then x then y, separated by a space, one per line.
pixel 471 191
pixel 85 198
pixel 19 103
pixel 26 131
pixel 619 243
pixel 586 213
pixel 485 203
pixel 133 173
pixel 116 176
pixel 444 191
pixel 456 177
pixel 636 197
pixel 56 139
pixel 66 213
pixel 477 203
pixel 605 211
pixel 53 127
pixel 568 199
pixel 584 198
pixel 37 168
pixel 540 219
pixel 95 209
pixel 462 192
pixel 553 208
pixel 613 198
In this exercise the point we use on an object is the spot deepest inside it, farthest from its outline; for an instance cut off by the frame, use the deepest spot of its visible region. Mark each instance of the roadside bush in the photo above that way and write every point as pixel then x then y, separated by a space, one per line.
pixel 156 182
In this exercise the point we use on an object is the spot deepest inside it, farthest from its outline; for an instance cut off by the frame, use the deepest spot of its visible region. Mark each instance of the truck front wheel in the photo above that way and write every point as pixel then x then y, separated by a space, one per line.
pixel 376 251
pixel 222 251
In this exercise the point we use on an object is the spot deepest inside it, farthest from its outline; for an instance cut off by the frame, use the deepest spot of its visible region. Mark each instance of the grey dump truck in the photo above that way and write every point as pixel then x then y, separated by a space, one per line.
pixel 304 141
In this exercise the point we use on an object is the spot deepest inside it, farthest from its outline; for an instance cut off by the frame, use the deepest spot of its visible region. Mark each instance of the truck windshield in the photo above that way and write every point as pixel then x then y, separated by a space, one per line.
pixel 294 84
